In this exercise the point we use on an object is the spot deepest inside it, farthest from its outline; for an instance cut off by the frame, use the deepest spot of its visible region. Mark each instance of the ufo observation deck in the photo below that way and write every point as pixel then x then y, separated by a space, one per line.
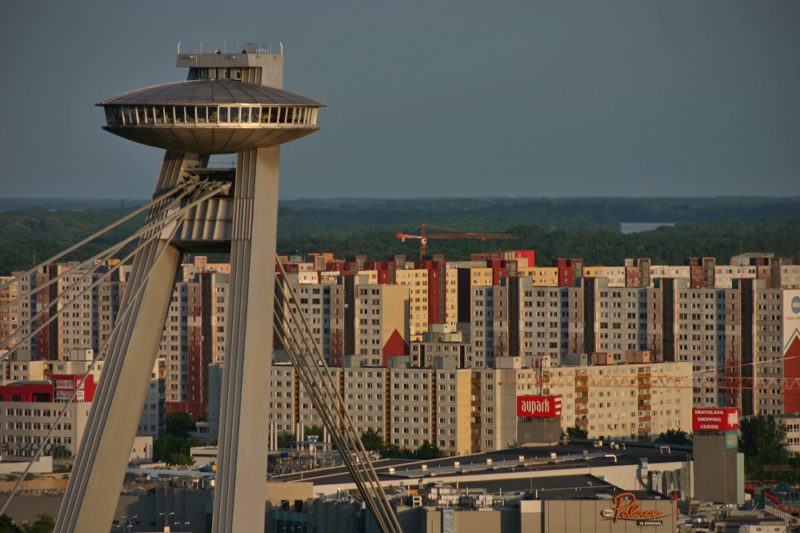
pixel 211 116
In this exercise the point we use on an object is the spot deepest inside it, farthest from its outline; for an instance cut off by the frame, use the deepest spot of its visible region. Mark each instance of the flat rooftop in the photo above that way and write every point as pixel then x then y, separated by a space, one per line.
pixel 582 486
pixel 529 459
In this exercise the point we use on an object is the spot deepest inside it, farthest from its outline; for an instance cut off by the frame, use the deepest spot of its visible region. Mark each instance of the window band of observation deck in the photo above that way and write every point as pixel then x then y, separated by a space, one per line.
pixel 210 115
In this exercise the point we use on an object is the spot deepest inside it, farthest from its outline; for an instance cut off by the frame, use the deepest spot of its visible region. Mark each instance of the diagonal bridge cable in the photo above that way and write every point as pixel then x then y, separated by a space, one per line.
pixel 179 193
pixel 159 199
pixel 319 384
pixel 154 228
pixel 120 320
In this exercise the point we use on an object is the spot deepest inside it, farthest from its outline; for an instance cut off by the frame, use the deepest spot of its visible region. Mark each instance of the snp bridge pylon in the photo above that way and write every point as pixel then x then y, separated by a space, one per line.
pixel 231 103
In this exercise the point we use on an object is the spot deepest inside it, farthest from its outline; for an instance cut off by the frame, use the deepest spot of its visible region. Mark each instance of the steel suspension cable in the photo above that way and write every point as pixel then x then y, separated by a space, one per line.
pixel 102 255
pixel 155 228
pixel 313 389
pixel 321 368
pixel 97 234
pixel 310 370
pixel 315 349
pixel 327 384
pixel 327 419
pixel 323 404
pixel 120 319
pixel 302 365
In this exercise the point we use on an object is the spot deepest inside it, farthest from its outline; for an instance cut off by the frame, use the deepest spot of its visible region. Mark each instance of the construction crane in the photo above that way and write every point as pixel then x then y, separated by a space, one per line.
pixel 424 236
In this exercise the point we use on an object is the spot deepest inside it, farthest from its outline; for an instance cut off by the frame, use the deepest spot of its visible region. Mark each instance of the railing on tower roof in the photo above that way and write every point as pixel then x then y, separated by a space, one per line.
pixel 246 48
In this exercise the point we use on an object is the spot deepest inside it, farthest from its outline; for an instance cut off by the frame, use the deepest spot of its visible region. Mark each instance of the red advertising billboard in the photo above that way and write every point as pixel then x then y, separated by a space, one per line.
pixel 538 406
pixel 715 419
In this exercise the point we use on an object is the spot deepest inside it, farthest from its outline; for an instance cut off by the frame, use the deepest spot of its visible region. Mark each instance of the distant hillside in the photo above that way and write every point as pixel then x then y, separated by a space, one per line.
pixel 574 227
pixel 60 204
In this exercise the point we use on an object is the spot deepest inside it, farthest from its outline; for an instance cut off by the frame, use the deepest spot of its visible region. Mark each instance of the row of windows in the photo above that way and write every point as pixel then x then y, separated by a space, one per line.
pixel 212 114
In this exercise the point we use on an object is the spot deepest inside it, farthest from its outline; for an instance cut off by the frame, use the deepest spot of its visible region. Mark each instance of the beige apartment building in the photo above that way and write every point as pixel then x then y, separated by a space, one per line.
pixel 411 406
pixel 472 410
pixel 323 306
pixel 438 343
pixel 382 313
pixel 540 276
pixel 407 406
pixel 625 319
pixel 283 390
pixel 9 309
pixel 521 319
pixel 451 298
pixel 416 279
pixel 88 306
pixel 194 335
pixel 624 400
pixel 614 274
pixel 365 391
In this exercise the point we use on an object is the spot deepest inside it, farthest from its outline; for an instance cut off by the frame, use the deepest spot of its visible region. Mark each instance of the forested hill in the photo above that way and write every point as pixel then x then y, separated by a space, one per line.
pixel 575 227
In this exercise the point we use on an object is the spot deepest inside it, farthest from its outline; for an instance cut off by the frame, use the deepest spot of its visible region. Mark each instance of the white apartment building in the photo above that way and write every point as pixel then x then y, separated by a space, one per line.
pixel 25 424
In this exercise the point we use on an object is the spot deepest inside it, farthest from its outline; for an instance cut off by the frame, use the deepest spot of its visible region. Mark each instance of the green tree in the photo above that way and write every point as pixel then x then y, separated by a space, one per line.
pixel 576 432
pixel 428 451
pixel 7 525
pixel 285 439
pixel 763 440
pixel 175 445
pixel 394 451
pixel 179 424
pixel 181 458
pixel 60 451
pixel 316 431
pixel 372 440
pixel 44 524
pixel 674 436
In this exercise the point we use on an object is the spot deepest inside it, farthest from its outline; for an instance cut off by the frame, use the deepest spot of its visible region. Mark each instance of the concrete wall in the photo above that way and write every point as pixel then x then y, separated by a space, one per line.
pixel 28 508
pixel 43 465
pixel 278 491
pixel 715 468
pixel 431 520
pixel 573 516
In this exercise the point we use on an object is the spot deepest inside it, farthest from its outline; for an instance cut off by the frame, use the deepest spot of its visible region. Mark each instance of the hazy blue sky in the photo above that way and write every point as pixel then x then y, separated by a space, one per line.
pixel 431 98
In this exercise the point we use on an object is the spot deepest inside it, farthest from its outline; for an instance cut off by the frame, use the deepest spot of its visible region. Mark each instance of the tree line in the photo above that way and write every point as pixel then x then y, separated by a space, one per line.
pixel 568 227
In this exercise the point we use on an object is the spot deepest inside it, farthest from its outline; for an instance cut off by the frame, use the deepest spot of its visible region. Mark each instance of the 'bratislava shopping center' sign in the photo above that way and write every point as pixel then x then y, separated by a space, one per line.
pixel 539 406
pixel 715 419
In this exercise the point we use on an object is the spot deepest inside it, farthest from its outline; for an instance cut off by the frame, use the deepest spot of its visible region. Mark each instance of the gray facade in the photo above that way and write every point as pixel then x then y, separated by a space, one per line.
pixel 717 476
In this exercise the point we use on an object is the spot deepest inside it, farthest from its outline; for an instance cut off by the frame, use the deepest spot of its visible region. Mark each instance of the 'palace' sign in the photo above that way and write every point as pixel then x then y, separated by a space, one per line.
pixel 627 508
pixel 539 406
